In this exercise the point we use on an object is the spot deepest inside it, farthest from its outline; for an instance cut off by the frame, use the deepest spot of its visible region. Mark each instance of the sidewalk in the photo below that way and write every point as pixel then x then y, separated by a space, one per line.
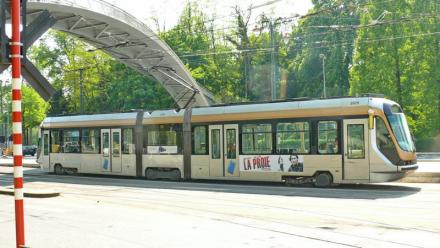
pixel 428 172
pixel 31 193
pixel 31 190
pixel 27 162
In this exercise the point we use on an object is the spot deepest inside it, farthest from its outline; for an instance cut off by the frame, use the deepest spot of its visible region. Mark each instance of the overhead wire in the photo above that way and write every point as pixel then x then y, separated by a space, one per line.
pixel 321 46
pixel 348 28
pixel 333 29
pixel 294 17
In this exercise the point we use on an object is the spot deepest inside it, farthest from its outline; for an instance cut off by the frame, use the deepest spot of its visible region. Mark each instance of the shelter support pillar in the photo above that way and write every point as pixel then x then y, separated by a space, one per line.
pixel 138 139
pixel 187 143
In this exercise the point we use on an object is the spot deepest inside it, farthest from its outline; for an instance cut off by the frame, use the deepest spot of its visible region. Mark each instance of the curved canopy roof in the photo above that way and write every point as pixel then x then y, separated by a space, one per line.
pixel 127 39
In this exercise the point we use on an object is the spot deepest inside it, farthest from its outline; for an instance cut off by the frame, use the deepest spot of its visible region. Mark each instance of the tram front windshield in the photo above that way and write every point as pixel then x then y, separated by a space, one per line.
pixel 400 127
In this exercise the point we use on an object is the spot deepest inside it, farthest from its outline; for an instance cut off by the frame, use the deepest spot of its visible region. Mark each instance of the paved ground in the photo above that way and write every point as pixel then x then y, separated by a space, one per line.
pixel 27 160
pixel 120 212
pixel 429 166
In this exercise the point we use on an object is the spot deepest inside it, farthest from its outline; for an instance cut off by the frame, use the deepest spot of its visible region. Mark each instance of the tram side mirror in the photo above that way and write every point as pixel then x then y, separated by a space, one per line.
pixel 371 119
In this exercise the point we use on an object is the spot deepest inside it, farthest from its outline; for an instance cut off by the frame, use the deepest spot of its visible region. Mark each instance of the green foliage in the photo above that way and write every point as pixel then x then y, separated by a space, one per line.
pixel 191 37
pixel 324 32
pixel 33 107
pixel 387 47
pixel 400 61
pixel 109 86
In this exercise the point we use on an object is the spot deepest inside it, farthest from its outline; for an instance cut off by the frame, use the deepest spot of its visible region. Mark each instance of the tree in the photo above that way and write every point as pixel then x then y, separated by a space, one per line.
pixel 394 57
pixel 109 86
pixel 34 111
pixel 192 42
pixel 326 29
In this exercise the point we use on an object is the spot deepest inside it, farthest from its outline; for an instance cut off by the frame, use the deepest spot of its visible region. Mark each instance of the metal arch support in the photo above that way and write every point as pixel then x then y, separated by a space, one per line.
pixel 115 32
pixel 4 48
pixel 106 26
pixel 172 76
pixel 37 28
pixel 30 34
pixel 36 80
pixel 33 31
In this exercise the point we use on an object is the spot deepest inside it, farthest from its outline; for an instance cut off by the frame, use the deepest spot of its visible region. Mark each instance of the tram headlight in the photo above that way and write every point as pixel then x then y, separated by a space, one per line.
pixel 371 119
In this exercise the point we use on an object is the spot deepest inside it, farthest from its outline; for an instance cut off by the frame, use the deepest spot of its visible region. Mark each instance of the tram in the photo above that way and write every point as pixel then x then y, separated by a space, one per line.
pixel 322 141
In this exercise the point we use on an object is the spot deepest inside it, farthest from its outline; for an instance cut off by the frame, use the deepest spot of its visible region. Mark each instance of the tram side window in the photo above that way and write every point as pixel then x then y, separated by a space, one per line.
pixel 355 141
pixel 200 140
pixel 215 143
pixel 46 144
pixel 384 142
pixel 127 141
pixel 256 138
pixel 163 139
pixel 71 141
pixel 328 137
pixel 293 138
pixel 90 141
pixel 55 141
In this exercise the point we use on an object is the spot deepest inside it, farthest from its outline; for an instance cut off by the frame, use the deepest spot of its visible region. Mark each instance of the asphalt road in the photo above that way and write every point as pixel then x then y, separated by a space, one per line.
pixel 121 212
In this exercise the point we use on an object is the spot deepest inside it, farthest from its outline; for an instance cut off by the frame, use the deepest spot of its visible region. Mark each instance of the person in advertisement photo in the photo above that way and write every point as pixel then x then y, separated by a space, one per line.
pixel 281 163
pixel 295 164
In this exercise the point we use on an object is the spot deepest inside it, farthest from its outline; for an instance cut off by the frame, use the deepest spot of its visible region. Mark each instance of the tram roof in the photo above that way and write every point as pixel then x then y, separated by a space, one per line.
pixel 130 118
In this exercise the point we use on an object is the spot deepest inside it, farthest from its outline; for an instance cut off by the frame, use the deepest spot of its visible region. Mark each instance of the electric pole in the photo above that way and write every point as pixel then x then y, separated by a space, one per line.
pixel 81 91
pixel 272 61
pixel 271 23
pixel 322 56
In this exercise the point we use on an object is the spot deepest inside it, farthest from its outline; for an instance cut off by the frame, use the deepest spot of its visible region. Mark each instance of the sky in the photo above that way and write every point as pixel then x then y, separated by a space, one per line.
pixel 168 11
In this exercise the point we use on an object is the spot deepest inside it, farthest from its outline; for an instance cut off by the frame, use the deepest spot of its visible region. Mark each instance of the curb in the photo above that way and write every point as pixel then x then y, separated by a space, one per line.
pixel 422 177
pixel 30 194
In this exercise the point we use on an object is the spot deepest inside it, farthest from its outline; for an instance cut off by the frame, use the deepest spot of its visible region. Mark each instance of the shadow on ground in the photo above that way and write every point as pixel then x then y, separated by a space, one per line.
pixel 346 191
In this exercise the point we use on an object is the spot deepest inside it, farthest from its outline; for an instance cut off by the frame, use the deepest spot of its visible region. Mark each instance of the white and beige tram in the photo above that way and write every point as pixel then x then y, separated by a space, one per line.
pixel 324 141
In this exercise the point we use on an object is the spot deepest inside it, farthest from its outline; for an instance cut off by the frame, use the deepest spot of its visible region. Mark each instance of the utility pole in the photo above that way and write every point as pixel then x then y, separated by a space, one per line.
pixel 81 87
pixel 322 56
pixel 271 23
pixel 272 61
pixel 81 91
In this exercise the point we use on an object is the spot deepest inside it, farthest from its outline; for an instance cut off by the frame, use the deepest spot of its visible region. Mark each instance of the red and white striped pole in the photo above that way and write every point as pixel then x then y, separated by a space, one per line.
pixel 15 48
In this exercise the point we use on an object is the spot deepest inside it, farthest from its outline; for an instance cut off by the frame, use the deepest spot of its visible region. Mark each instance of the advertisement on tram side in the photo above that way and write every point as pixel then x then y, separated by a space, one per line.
pixel 162 149
pixel 272 163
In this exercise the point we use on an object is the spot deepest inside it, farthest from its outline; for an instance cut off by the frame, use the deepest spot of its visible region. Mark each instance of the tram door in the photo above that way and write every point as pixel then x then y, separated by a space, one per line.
pixel 45 149
pixel 356 160
pixel 216 166
pixel 111 150
pixel 231 166
pixel 116 150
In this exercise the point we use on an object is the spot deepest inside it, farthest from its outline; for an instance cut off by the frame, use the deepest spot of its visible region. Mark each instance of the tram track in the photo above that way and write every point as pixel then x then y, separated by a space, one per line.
pixel 185 204
pixel 227 216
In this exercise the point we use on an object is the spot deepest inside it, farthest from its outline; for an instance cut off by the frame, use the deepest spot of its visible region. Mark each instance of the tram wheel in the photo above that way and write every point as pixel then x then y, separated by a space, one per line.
pixel 59 170
pixel 150 174
pixel 176 175
pixel 323 180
